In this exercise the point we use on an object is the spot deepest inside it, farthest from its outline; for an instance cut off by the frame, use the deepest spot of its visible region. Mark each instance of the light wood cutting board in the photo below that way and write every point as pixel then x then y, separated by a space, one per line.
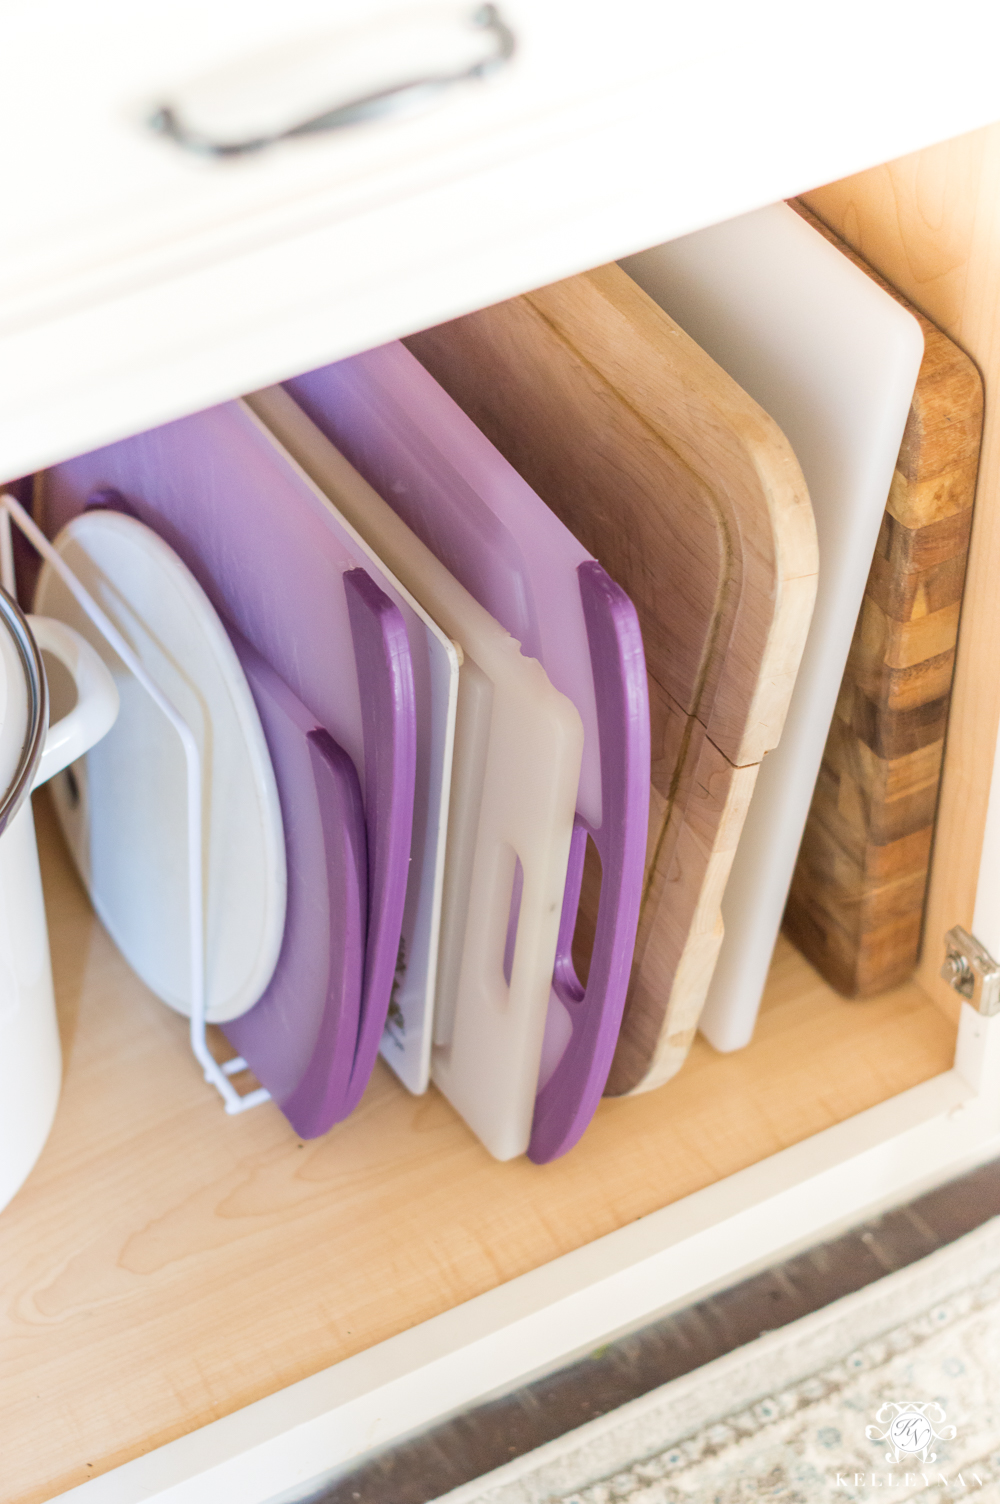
pixel 691 498
pixel 855 907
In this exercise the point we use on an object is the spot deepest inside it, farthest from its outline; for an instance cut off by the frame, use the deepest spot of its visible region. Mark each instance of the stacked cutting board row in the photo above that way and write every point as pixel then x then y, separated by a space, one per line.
pixel 484 638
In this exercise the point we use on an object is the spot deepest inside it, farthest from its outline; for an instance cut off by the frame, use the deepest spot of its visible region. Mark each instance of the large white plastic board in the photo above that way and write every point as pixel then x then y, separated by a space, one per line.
pixel 834 360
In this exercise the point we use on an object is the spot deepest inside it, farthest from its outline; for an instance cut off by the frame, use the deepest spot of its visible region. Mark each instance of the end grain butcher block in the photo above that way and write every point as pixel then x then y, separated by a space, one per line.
pixel 856 902
pixel 691 498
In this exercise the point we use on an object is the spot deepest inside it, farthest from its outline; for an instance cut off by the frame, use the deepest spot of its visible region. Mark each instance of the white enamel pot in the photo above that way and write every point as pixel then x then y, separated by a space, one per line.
pixel 31 752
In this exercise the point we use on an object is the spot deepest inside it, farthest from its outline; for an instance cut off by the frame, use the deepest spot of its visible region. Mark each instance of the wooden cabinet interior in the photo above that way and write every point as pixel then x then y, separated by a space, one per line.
pixel 165 1265
pixel 930 223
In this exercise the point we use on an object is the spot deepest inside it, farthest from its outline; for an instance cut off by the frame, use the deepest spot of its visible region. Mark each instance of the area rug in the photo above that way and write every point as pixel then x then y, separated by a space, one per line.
pixel 890 1393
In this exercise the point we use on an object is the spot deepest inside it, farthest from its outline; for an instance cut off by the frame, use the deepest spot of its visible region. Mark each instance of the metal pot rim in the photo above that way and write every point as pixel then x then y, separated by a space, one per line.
pixel 13 620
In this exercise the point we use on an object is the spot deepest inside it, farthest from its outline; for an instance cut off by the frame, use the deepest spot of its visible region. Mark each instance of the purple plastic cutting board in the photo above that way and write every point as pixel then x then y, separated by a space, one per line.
pixel 297 587
pixel 414 446
pixel 299 1038
pixel 308 1037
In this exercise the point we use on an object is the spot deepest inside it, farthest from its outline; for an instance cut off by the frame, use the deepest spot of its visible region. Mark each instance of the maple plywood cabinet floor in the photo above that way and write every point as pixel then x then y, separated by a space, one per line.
pixel 165 1265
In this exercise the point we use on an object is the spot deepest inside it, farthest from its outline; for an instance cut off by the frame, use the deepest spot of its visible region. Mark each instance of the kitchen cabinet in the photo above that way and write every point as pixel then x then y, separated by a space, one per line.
pixel 198 1307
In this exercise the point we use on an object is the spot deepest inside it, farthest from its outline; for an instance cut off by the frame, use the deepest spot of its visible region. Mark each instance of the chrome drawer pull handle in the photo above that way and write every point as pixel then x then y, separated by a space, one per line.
pixel 368 107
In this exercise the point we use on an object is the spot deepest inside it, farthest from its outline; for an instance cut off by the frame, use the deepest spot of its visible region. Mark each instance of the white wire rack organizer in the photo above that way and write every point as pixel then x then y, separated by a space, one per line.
pixel 215 1073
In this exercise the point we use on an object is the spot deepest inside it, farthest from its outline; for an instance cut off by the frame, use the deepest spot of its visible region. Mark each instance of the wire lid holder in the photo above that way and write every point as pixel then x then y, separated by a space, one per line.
pixel 218 1075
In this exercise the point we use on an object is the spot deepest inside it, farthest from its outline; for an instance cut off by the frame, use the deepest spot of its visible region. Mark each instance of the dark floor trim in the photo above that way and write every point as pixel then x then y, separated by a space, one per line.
pixel 483 1438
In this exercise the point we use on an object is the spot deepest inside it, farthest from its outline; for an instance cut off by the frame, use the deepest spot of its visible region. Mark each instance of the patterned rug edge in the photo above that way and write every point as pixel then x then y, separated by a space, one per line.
pixel 609 1446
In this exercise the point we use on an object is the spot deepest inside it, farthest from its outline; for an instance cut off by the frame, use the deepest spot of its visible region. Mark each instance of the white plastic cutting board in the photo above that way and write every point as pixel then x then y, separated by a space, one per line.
pixel 518 750
pixel 834 360
pixel 123 807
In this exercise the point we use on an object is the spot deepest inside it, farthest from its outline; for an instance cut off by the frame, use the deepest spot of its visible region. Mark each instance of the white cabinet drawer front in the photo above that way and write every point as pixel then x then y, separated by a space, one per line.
pixel 88 189
pixel 87 185
pixel 139 281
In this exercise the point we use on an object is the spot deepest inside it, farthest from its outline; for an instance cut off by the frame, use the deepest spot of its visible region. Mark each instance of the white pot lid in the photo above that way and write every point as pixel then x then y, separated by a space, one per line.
pixel 24 708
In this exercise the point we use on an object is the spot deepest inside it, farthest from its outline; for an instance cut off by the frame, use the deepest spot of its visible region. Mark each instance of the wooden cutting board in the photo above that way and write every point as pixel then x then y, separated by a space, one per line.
pixel 856 902
pixel 691 498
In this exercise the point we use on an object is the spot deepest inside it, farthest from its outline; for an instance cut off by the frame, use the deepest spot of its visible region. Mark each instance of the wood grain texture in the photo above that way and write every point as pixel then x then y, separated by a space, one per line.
pixel 691 498
pixel 165 1264
pixel 856 902
pixel 930 223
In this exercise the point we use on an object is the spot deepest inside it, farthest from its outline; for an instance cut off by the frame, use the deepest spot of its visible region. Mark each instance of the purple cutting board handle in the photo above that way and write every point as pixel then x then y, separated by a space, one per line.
pixel 569 1099
pixel 299 1037
pixel 389 717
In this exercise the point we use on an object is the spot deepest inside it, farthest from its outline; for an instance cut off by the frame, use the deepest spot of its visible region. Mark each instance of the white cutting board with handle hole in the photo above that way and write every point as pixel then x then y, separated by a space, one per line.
pixel 833 359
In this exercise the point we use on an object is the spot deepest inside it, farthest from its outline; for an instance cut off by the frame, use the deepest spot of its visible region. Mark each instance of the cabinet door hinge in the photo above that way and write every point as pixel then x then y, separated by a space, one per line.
pixel 972 971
